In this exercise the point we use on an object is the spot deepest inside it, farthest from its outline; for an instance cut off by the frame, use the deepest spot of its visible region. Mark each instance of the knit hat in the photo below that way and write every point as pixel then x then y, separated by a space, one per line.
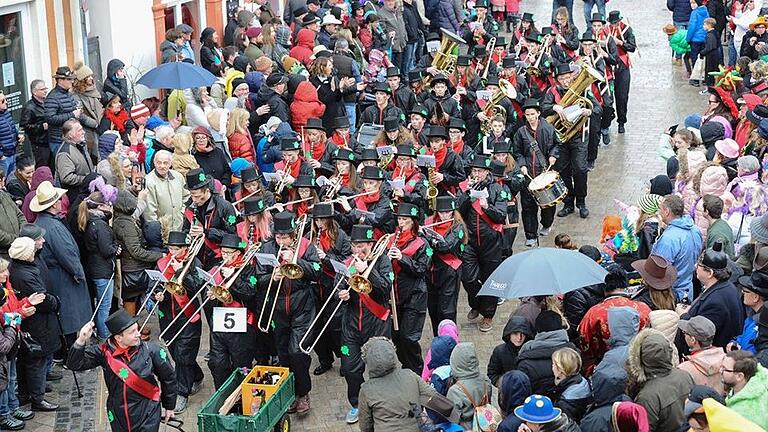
pixel 283 35
pixel 82 71
pixel 23 248
pixel 548 321
pixel 748 164
pixel 139 110
pixel 649 203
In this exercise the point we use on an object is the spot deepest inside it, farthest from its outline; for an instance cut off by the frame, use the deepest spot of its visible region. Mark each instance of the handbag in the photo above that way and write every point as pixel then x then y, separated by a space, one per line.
pixel 28 346
pixel 697 73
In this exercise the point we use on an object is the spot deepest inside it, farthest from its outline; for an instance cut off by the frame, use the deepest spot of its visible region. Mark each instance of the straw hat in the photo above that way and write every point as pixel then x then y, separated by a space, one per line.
pixel 45 196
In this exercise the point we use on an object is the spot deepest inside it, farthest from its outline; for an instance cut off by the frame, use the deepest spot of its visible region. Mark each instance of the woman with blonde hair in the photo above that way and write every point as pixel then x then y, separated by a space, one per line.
pixel 238 137
pixel 572 391
pixel 183 160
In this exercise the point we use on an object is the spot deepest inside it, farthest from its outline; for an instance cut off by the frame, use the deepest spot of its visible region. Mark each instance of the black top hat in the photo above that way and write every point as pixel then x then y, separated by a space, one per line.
pixel 547 31
pixel 314 123
pixel 497 169
pixel 439 78
pixel 758 114
pixel 527 16
pixel 382 87
pixel 480 51
pixel 597 17
pixel 254 205
pixel 714 257
pixel 757 282
pixel 284 223
pixel 289 143
pixel 502 147
pixel 196 179
pixel 500 42
pixel 481 161
pixel 249 174
pixel 344 154
pixel 369 154
pixel 433 37
pixel 534 37
pixel 362 233
pixel 531 103
pixel 177 238
pixel 492 80
pixel 64 72
pixel 438 132
pixel 233 241
pixel 508 62
pixel 562 69
pixel 408 210
pixel 308 19
pixel 414 76
pixel 340 123
pixel 304 181
pixel 393 71
pixel 588 36
pixel 457 123
pixel 463 60
pixel 391 124
pixel 445 203
pixel 405 150
pixel 372 173
pixel 614 16
pixel 481 4
pixel 420 110
pixel 322 210
pixel 119 321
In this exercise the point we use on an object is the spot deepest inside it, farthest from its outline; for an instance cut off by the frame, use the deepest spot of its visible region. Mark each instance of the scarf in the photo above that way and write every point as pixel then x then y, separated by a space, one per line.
pixel 458 147
pixel 403 173
pixel 301 208
pixel 362 202
pixel 340 141
pixel 318 149
pixel 118 120
pixel 294 168
pixel 344 179
pixel 441 229
pixel 405 238
pixel 439 157
pixel 326 242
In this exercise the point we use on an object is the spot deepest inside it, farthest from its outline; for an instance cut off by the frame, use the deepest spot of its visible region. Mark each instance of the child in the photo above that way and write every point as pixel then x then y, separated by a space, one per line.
pixel 680 48
pixel 710 53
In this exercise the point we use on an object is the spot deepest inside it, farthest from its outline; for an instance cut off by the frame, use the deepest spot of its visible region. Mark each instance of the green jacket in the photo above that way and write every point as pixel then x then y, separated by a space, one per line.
pixel 750 401
pixel 11 220
pixel 720 231
pixel 679 43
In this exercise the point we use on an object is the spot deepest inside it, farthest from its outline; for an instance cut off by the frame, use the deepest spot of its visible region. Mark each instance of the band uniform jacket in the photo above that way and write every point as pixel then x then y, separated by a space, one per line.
pixel 535 159
pixel 482 236
pixel 217 217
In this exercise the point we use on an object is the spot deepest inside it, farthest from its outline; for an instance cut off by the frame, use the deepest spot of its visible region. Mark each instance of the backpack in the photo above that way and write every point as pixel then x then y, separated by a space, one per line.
pixel 487 417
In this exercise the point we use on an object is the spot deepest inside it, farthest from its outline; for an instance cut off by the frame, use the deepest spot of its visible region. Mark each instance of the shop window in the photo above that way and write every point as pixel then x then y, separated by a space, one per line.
pixel 13 80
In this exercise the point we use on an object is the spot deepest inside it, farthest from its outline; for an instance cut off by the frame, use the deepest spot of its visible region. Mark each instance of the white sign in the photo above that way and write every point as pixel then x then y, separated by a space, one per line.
pixel 206 276
pixel 230 320
pixel 156 276
pixel 9 78
pixel 426 161
pixel 271 176
pixel 477 194
pixel 397 183
pixel 267 260
pixel 340 268
pixel 483 94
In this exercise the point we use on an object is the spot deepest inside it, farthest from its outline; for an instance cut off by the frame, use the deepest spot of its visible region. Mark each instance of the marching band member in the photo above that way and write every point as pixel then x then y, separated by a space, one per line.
pixel 257 224
pixel 414 81
pixel 624 38
pixel 484 218
pixel 304 188
pixel 418 116
pixel 499 52
pixel 512 121
pixel 444 274
pixel 566 35
pixel 464 77
pixel 318 151
pixel 233 350
pixel 456 132
pixel 344 160
pixel 368 157
pixel 383 108
pixel 509 73
pixel 610 53
pixel 293 164
pixel 402 96
pixel 498 134
pixel 410 256
pixel 189 375
pixel 393 134
pixel 342 137
pixel 482 61
pixel 527 26
pixel 449 168
pixel 414 190
pixel 440 95
pixel 364 315
pixel 482 27
pixel 592 56
pixel 538 82
pixel 295 307
pixel 373 209
pixel 252 183
pixel 535 147
pixel 208 215
pixel 508 176
pixel 332 244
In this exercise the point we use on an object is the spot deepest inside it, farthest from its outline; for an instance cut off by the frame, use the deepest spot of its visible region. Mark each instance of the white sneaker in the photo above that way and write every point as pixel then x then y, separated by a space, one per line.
pixel 545 231
pixel 530 243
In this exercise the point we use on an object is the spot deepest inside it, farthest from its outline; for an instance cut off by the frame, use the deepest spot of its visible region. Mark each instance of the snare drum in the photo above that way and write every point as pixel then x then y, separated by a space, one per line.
pixel 548 189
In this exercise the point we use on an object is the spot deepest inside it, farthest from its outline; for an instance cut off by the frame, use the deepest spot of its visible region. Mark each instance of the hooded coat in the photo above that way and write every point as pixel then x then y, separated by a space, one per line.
pixel 574 395
pixel 277 106
pixel 535 360
pixel 681 244
pixel 515 388
pixel 183 161
pixel 117 86
pixel 623 323
pixel 607 388
pixel 305 41
pixel 445 328
pixel 391 399
pixel 663 389
pixel 504 356
pixel 134 256
pixel 576 303
pixel 305 105
pixel 750 401
pixel 465 369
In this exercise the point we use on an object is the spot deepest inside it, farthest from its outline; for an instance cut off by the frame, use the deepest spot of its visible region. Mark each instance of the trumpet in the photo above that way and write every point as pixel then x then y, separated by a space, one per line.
pixel 175 286
pixel 221 291
pixel 281 184
pixel 332 188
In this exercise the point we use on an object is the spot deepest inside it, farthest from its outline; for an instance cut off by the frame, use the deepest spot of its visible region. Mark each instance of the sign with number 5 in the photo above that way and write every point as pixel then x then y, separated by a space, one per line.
pixel 229 320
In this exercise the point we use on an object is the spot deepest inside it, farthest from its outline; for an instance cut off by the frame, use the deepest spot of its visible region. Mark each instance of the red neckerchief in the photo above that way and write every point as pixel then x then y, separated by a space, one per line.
pixel 326 242
pixel 442 228
pixel 294 168
pixel 405 238
pixel 458 146
pixel 439 157
pixel 344 179
pixel 318 149
pixel 164 263
pixel 512 78
pixel 118 119
pixel 497 58
pixel 402 173
pixel 237 262
pixel 119 351
pixel 339 140
pixel 301 208
pixel 362 202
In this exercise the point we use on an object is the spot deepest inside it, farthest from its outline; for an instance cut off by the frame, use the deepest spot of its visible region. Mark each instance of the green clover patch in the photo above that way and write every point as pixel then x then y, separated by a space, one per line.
pixel 391 276
pixel 273 325
pixel 242 245
pixel 316 266
pixel 201 176
pixel 231 219
pixel 163 354
pixel 426 182
pixel 123 373
pixel 412 183
pixel 345 350
pixel 461 234
pixel 423 151
pixel 110 416
pixel 453 205
pixel 252 280
pixel 414 211
pixel 402 117
pixel 430 252
pixel 369 234
pixel 160 314
pixel 351 156
pixel 461 247
pixel 261 204
pixel 424 113
pixel 352 270
pixel 487 162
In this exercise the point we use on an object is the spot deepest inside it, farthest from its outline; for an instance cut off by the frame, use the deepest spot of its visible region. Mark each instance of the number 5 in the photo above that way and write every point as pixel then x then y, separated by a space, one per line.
pixel 229 321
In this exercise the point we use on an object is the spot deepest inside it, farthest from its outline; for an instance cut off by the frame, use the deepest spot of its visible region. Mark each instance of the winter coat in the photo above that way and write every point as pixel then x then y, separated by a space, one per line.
pixel 442 16
pixel 607 388
pixel 11 220
pixel 277 106
pixel 65 270
pixel 390 400
pixel 663 388
pixel 696 32
pixel 59 105
pixel 720 231
pixel 704 367
pixel 169 51
pixel 679 42
pixel 241 146
pixel 721 304
pixel 445 328
pixel 117 86
pixel 747 340
pixel 93 111
pixel 305 105
pixel 412 23
pixel 166 197
pixel 26 279
pixel 536 159
pixel 750 401
pixel 209 56
pixel 392 20
pixel 623 323
pixel 573 396
pixel 9 134
pixel 214 163
pixel 373 114
pixel 681 10
pixel 41 174
pixel 483 238
pixel 32 119
pixel 681 244
pixel 748 49
pixel 73 164
pixel 8 348
pixel 134 255
pixel 504 356
pixel 535 360
pixel 100 246
pixel 332 98
pixel 576 304
pixel 128 410
pixel 713 180
pixel 465 369
pixel 666 321
pixel 182 160
pixel 302 49
pixel 515 388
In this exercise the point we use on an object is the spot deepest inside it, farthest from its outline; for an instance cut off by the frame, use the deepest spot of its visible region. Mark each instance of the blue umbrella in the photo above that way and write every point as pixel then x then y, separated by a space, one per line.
pixel 177 75
pixel 542 271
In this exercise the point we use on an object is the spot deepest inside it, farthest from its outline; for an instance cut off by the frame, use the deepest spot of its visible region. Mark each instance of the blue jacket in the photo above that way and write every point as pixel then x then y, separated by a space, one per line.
pixel 746 339
pixel 720 303
pixel 8 134
pixel 681 10
pixel 623 324
pixel 443 16
pixel 681 244
pixel 515 387
pixel 696 32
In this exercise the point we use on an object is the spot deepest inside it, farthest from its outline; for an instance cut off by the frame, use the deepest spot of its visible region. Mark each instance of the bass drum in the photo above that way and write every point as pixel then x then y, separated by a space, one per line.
pixel 366 133
pixel 548 189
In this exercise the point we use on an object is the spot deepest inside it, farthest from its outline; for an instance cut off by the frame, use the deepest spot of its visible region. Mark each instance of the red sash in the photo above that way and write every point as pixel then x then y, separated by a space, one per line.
pixel 250 317
pixel 133 381
pixel 190 216
pixel 447 257
pixel 540 82
pixel 182 301
pixel 596 93
pixel 480 212
pixel 379 311
pixel 553 91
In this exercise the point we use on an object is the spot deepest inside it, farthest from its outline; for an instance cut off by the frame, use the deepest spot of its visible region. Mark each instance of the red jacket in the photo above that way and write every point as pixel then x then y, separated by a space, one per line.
pixel 241 146
pixel 305 41
pixel 12 303
pixel 305 105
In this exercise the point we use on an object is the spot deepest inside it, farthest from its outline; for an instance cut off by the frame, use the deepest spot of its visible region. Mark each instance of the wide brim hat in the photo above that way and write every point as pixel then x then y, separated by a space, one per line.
pixel 197 179
pixel 437 132
pixel 537 409
pixel 304 181
pixel 323 210
pixel 757 282
pixel 232 241
pixel 284 223
pixel 405 150
pixel 249 174
pixel 761 20
pixel 479 51
pixel 372 173
pixel 119 321
pixel 177 238
pixel 362 233
pixel 497 169
pixel 669 29
pixel 414 76
pixel 254 205
pixel 445 203
pixel 309 19
pixel 314 123
pixel 481 161
pixel 759 229
pixel 408 210
pixel 656 272
pixel 330 19
pixel 289 143
pixel 45 196
pixel 493 80
pixel 728 148
pixel 344 154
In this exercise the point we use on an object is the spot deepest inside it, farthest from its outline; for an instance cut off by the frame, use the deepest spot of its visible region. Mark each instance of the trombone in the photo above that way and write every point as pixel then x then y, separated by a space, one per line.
pixel 358 283
pixel 289 270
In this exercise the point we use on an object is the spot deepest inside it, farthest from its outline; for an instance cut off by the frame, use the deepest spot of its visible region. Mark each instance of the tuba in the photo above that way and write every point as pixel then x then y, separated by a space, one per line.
pixel 175 286
pixel 444 60
pixel 493 106
pixel 567 128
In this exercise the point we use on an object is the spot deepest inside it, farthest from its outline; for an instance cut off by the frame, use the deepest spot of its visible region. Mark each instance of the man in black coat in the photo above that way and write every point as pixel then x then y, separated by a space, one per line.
pixel 383 108
pixel 60 106
pixel 34 124
pixel 271 93
pixel 624 38
pixel 504 357
pixel 402 96
pixel 132 370
pixel 440 95
pixel 449 167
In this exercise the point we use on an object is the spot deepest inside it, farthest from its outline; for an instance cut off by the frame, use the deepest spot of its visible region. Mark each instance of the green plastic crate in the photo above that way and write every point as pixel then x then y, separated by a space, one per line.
pixel 209 420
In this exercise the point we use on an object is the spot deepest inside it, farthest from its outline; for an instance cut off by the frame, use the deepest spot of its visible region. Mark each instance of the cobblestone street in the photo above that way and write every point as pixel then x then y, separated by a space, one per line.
pixel 660 97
